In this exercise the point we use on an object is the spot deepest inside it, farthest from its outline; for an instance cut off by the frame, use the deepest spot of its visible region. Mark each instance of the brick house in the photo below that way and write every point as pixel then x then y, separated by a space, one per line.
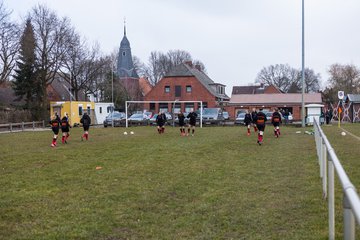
pixel 186 82
pixel 268 97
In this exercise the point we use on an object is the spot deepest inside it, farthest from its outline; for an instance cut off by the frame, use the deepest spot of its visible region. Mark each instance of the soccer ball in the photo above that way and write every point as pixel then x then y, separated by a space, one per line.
pixel 343 133
pixel 125 133
pixel 131 133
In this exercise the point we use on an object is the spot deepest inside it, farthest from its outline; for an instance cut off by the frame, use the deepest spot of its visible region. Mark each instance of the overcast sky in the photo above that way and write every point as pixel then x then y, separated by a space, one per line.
pixel 235 39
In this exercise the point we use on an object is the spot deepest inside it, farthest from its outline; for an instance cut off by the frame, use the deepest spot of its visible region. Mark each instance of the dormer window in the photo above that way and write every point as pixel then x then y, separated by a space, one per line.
pixel 220 90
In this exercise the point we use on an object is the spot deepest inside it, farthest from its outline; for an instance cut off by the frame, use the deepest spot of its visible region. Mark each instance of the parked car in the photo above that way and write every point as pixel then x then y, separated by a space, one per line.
pixel 212 116
pixel 117 117
pixel 226 115
pixel 152 120
pixel 240 118
pixel 138 118
pixel 269 116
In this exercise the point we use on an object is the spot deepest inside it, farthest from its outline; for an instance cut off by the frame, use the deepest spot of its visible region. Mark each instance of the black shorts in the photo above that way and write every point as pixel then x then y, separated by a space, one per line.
pixel 56 131
pixel 86 128
pixel 276 124
pixel 261 127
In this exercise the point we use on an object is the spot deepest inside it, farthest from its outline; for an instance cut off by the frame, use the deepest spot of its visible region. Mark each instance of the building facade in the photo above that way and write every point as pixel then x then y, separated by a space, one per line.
pixel 267 98
pixel 186 82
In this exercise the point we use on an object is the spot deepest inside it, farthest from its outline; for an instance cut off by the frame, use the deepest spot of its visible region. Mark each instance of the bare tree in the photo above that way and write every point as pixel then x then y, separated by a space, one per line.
pixel 9 44
pixel 52 35
pixel 287 78
pixel 81 66
pixel 345 78
pixel 159 63
pixel 279 75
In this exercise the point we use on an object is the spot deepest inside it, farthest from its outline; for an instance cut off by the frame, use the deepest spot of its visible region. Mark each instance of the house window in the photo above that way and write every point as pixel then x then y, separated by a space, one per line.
pixel 88 110
pixel 188 89
pixel 100 110
pixel 189 106
pixel 163 107
pixel 80 111
pixel 204 104
pixel 124 53
pixel 177 91
pixel 167 89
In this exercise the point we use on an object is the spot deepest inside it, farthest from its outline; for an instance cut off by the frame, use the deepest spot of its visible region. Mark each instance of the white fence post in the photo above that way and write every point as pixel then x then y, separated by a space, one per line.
pixel 349 220
pixel 324 161
pixel 331 201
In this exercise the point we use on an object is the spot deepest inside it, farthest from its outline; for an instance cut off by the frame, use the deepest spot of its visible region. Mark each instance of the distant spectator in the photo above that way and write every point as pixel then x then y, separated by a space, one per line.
pixel 286 116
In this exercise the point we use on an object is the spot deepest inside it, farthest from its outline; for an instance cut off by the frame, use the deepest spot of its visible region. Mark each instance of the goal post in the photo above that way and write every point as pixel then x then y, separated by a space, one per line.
pixel 173 106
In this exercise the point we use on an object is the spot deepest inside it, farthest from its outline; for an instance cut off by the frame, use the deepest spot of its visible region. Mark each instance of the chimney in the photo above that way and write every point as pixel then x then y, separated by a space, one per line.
pixel 198 67
pixel 189 63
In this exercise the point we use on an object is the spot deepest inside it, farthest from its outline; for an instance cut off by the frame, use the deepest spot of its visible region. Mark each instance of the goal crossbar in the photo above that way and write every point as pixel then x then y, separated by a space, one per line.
pixel 173 102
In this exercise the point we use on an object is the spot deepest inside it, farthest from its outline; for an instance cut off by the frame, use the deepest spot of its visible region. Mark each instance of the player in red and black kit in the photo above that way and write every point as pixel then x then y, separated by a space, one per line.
pixel 160 121
pixel 86 121
pixel 248 121
pixel 276 120
pixel 55 126
pixel 65 128
pixel 192 122
pixel 260 124
pixel 181 118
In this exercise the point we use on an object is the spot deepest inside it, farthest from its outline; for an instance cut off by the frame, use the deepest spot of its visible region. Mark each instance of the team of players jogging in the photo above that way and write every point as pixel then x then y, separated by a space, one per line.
pixel 255 119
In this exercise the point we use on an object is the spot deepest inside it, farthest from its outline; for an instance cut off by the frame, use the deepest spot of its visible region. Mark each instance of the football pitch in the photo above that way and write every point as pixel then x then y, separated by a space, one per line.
pixel 218 184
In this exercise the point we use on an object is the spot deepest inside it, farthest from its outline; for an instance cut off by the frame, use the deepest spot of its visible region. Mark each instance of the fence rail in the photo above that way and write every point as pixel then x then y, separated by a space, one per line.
pixel 21 126
pixel 329 163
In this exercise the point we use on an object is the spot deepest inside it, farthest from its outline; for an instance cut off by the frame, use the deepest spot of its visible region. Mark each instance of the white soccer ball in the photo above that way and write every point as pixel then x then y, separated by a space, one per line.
pixel 125 133
pixel 343 133
pixel 131 132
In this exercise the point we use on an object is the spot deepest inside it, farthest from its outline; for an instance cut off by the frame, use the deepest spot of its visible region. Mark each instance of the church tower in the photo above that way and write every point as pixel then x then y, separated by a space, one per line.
pixel 125 65
pixel 126 73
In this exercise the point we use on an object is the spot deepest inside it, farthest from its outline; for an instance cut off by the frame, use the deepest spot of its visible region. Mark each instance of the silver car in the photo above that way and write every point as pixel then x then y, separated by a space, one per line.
pixel 240 118
pixel 116 118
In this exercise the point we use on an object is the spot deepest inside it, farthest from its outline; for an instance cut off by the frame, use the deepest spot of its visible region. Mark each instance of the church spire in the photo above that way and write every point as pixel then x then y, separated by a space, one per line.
pixel 125 65
pixel 124 26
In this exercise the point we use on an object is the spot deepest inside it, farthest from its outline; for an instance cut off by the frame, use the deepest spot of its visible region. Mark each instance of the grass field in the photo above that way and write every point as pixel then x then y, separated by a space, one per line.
pixel 218 184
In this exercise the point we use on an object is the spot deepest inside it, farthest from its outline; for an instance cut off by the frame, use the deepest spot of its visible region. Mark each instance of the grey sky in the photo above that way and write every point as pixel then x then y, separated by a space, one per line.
pixel 235 39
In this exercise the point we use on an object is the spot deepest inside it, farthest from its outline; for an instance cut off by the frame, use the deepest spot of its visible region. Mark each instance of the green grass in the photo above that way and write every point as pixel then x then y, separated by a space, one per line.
pixel 218 184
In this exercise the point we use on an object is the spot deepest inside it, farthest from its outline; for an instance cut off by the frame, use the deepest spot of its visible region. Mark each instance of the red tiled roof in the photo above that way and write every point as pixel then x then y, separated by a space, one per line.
pixel 275 98
pixel 145 86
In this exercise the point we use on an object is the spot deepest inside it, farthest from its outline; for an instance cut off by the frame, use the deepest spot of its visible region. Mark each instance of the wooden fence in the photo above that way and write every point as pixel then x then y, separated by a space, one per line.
pixel 16 127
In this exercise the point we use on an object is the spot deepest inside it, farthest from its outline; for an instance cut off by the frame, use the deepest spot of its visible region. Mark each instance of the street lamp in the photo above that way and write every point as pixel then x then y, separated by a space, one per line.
pixel 303 71
pixel 112 94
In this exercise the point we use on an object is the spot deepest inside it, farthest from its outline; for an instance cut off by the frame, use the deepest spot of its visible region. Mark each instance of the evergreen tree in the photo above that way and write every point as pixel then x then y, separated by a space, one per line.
pixel 25 85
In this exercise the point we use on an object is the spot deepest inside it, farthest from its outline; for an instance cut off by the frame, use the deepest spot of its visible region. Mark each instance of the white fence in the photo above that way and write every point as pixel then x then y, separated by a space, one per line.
pixel 329 163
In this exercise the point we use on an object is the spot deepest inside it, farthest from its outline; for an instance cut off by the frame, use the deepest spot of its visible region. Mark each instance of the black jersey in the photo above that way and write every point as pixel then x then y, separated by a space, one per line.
pixel 65 124
pixel 161 119
pixel 181 118
pixel 276 118
pixel 192 118
pixel 248 119
pixel 260 119
pixel 55 125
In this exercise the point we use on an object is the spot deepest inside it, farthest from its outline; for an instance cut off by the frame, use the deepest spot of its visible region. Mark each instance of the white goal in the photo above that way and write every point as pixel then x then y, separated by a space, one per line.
pixel 127 103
